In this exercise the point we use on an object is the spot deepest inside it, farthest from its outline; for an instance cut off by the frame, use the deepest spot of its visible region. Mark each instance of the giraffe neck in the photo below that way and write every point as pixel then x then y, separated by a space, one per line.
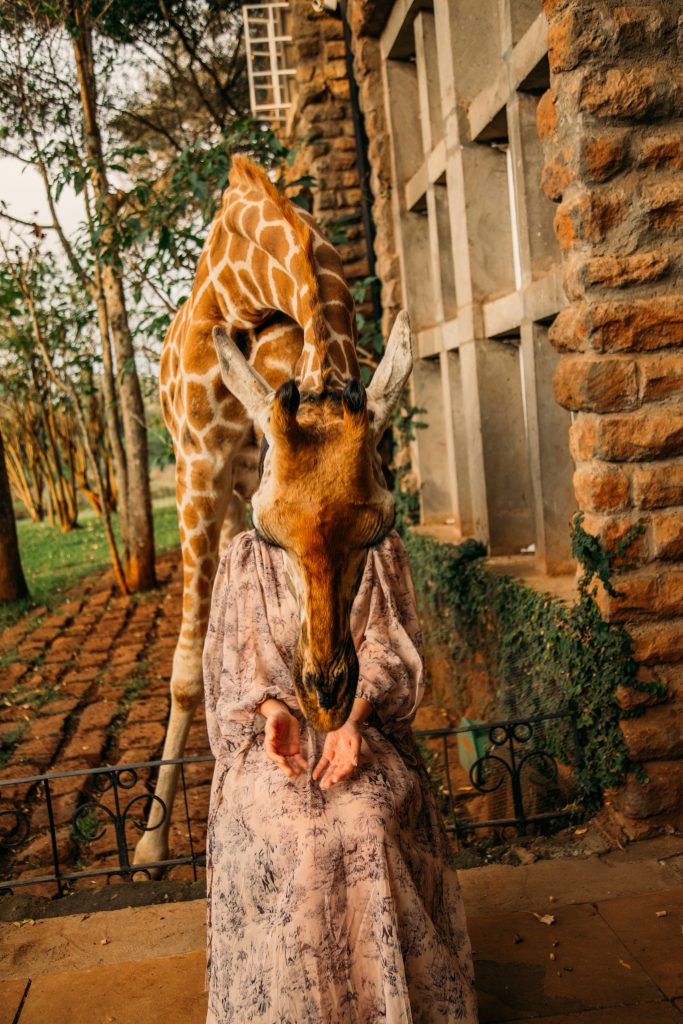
pixel 262 256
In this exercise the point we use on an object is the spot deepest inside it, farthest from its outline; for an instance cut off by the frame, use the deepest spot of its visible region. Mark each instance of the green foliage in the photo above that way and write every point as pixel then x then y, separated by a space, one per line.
pixel 538 654
pixel 370 340
pixel 596 560
pixel 405 422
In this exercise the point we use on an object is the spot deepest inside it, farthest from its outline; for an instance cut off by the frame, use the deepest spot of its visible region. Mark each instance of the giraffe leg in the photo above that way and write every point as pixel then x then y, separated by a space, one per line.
pixel 201 515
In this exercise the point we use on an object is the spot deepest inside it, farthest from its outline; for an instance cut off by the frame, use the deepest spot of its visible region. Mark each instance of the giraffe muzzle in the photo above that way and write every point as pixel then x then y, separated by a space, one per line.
pixel 326 693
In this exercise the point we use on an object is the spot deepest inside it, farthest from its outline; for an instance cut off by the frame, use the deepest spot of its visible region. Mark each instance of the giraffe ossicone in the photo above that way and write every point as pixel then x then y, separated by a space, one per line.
pixel 260 389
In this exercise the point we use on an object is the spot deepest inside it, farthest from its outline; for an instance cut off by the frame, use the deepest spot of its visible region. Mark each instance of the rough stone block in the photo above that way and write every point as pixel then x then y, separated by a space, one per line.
pixel 646 434
pixel 546 115
pixel 601 487
pixel 590 216
pixel 596 384
pixel 663 791
pixel 612 271
pixel 660 376
pixel 638 324
pixel 655 735
pixel 664 203
pixel 658 642
pixel 631 699
pixel 603 156
pixel 574 37
pixel 667 535
pixel 557 174
pixel 657 485
pixel 638 596
pixel 611 529
pixel 664 150
pixel 640 93
pixel 651 591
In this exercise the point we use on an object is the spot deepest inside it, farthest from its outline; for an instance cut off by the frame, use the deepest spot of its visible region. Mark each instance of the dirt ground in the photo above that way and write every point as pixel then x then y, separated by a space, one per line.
pixel 89 686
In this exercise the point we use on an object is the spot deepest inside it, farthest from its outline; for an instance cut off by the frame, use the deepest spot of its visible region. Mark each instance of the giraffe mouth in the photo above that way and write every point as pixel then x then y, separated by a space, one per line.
pixel 326 693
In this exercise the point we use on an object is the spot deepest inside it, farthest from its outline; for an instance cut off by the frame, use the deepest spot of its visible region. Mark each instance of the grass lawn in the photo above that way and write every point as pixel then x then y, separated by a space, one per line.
pixel 54 561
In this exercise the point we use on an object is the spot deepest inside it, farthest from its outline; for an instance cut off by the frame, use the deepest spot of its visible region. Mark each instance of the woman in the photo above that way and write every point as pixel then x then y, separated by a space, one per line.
pixel 331 897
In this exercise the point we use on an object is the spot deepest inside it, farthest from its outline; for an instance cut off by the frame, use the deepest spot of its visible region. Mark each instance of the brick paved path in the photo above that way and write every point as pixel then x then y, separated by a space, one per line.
pixel 86 686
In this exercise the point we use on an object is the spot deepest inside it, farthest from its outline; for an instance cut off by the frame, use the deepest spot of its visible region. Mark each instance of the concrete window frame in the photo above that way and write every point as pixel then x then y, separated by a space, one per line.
pixel 481 273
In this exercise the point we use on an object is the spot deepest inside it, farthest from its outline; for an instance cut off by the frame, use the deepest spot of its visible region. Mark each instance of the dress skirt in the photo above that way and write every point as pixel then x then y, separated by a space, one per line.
pixel 336 906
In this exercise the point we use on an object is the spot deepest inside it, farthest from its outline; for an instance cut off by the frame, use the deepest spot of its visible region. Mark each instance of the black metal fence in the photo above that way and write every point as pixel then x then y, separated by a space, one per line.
pixel 512 766
pixel 510 763
pixel 110 801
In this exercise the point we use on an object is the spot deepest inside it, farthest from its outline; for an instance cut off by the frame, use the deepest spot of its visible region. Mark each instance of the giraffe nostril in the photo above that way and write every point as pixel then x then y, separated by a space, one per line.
pixel 313 680
pixel 325 699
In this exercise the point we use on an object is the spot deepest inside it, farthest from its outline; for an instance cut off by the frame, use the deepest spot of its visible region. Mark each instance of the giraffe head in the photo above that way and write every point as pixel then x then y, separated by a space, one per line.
pixel 323 499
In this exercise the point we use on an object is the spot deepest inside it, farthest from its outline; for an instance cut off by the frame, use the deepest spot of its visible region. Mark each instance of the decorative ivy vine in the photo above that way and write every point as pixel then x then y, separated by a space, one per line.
pixel 541 655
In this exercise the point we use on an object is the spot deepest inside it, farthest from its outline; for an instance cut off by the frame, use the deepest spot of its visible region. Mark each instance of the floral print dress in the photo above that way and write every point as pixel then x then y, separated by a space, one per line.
pixel 336 906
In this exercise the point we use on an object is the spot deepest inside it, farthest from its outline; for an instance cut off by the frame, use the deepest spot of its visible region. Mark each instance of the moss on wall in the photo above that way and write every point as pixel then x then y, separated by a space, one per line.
pixel 514 652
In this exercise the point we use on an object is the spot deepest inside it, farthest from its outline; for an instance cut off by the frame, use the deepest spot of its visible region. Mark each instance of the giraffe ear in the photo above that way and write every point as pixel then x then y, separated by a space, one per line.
pixel 390 377
pixel 255 394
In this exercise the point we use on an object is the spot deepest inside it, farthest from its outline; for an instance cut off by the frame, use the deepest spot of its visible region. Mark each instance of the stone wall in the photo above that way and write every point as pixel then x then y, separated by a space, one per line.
pixel 611 126
pixel 321 127
pixel 366 18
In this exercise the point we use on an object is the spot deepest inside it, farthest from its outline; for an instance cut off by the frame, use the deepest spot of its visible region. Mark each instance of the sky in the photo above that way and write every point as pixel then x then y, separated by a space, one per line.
pixel 22 192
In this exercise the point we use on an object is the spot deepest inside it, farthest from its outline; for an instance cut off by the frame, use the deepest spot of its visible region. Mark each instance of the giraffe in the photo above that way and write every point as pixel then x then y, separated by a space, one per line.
pixel 260 390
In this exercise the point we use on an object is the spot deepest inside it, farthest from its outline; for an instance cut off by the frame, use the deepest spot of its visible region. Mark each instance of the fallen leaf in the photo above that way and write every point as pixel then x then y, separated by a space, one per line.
pixel 580 831
pixel 545 918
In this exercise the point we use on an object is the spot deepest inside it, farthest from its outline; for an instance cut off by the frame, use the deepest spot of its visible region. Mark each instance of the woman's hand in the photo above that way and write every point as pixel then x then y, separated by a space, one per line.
pixel 282 738
pixel 340 754
pixel 342 747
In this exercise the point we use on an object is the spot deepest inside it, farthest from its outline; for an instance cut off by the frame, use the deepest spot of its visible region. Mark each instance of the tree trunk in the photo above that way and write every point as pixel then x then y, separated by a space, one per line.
pixel 12 579
pixel 118 453
pixel 67 388
pixel 140 571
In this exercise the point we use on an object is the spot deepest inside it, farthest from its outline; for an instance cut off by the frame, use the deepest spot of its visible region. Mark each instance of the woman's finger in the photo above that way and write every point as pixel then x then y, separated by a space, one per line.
pixel 283 766
pixel 320 767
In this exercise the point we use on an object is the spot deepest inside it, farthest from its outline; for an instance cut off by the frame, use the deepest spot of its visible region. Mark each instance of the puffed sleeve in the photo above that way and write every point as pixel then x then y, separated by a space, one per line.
pixel 386 626
pixel 212 656
pixel 242 663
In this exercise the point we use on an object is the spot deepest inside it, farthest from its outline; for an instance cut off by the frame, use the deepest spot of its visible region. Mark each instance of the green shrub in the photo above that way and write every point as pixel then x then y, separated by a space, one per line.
pixel 539 655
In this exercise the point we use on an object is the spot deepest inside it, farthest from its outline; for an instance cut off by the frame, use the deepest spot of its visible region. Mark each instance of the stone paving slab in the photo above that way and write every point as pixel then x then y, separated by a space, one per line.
pixel 92 968
pixel 12 994
pixel 649 866
pixel 654 941
pixel 589 969
pixel 166 989
pixel 58 944
pixel 644 1013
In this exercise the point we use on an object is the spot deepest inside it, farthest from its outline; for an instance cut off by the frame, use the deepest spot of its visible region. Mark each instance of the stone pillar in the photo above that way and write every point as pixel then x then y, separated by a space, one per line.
pixel 365 19
pixel 320 124
pixel 613 159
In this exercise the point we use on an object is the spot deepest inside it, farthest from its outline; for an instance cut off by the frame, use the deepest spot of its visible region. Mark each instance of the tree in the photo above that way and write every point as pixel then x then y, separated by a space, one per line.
pixel 12 581
pixel 148 150
pixel 50 332
pixel 52 114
